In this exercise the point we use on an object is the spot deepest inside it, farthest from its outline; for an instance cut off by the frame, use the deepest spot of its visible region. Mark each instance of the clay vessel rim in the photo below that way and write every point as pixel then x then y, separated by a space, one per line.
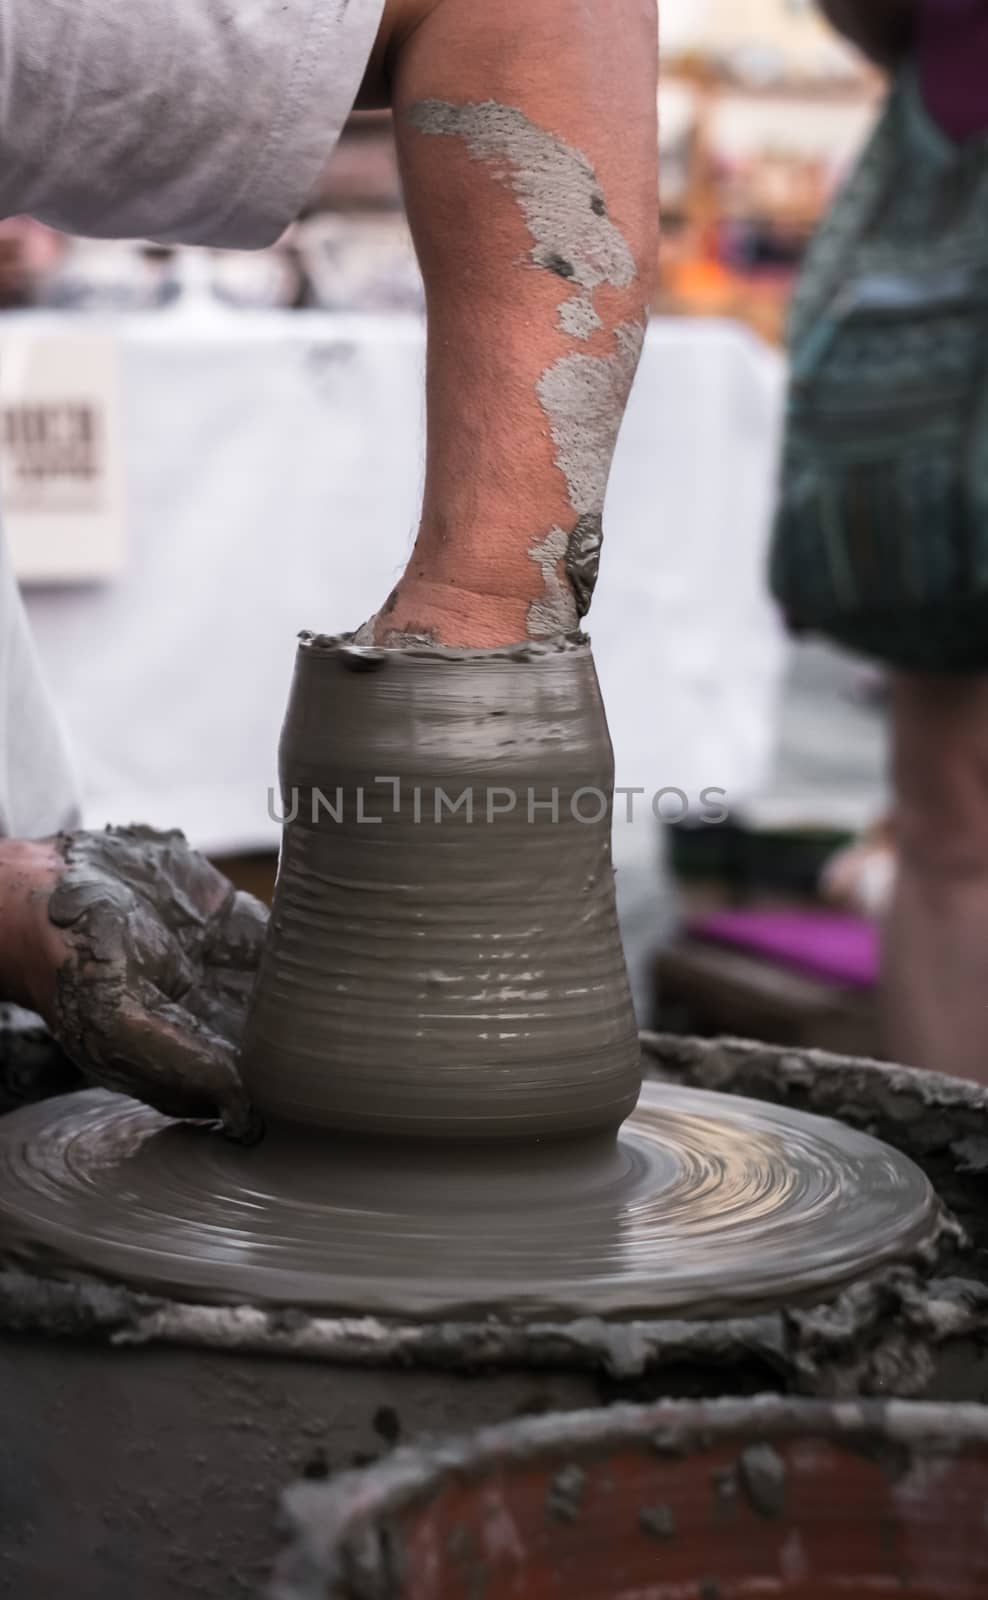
pixel 526 651
pixel 412 1474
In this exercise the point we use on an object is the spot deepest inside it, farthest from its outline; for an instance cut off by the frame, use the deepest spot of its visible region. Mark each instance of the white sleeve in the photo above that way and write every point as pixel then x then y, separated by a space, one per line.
pixel 187 121
pixel 38 792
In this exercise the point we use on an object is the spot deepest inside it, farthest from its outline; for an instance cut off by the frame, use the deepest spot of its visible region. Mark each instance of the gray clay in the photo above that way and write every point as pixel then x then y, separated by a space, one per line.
pixel 705 1206
pixel 444 958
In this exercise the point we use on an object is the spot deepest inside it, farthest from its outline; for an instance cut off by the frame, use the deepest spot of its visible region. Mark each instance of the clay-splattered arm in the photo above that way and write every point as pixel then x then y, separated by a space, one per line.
pixel 528 146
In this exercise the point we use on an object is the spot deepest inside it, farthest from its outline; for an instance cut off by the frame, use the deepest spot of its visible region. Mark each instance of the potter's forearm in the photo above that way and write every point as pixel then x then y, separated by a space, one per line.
pixel 11 928
pixel 25 867
pixel 527 138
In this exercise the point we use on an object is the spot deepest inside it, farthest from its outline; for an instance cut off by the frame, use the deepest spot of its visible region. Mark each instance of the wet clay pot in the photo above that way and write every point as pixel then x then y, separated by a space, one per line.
pixel 444 957
pixel 713 1501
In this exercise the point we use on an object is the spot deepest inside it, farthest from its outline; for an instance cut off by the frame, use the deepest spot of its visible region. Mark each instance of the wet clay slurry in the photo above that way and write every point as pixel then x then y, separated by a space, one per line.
pixel 704 1207
pixel 444 957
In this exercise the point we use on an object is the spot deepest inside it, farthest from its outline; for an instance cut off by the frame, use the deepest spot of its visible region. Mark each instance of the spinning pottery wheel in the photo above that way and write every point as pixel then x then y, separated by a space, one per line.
pixel 704 1205
pixel 443 1044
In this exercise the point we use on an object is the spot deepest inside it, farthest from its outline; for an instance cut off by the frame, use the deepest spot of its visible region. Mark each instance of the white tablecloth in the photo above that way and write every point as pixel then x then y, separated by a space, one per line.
pixel 273 470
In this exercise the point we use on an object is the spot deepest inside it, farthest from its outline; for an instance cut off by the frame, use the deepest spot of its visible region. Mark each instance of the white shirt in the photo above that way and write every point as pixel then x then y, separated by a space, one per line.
pixel 187 121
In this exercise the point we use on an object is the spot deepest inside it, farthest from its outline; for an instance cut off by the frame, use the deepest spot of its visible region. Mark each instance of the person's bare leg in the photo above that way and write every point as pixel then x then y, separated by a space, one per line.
pixel 935 997
pixel 527 138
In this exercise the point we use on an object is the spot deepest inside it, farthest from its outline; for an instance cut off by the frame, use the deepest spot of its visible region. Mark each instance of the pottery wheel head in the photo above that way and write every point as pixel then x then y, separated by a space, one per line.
pixel 705 1205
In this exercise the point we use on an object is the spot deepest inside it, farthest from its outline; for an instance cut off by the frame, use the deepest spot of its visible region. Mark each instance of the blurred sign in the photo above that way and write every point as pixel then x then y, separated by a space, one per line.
pixel 61 470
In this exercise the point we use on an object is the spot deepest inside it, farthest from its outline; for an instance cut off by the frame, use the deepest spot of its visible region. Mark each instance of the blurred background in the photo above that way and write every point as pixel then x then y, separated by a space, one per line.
pixel 189 476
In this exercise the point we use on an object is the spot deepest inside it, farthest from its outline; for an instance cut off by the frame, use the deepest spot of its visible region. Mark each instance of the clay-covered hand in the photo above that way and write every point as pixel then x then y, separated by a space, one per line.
pixel 141 957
